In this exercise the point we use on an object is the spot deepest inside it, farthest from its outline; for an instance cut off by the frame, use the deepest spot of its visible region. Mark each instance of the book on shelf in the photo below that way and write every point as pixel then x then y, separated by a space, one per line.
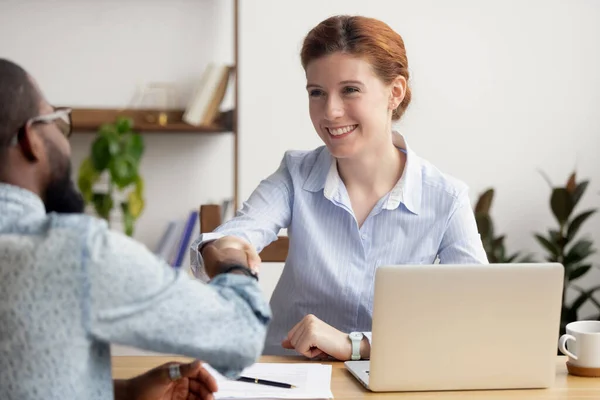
pixel 174 244
pixel 187 236
pixel 165 244
pixel 204 105
pixel 226 210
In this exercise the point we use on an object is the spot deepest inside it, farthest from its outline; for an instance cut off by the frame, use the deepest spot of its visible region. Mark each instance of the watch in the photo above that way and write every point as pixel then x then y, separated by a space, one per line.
pixel 247 271
pixel 355 339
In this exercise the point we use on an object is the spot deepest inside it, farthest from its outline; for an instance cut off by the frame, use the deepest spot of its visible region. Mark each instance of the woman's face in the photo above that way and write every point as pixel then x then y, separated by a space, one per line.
pixel 350 107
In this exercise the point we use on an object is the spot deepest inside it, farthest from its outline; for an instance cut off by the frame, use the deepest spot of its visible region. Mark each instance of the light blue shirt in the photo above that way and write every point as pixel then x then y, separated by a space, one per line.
pixel 69 287
pixel 330 268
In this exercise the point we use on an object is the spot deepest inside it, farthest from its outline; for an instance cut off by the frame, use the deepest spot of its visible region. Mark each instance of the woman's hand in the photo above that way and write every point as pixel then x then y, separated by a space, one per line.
pixel 313 338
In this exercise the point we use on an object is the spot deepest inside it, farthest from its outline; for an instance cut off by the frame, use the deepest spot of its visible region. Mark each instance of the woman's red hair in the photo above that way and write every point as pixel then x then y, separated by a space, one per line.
pixel 363 37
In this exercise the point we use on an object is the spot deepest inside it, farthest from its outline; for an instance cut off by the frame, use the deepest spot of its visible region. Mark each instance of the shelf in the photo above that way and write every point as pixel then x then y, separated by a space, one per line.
pixel 90 119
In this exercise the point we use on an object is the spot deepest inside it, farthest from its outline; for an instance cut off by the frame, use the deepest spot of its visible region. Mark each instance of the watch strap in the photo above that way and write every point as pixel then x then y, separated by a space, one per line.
pixel 355 339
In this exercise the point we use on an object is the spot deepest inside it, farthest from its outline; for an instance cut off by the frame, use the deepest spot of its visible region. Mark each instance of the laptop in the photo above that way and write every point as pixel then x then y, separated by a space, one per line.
pixel 463 327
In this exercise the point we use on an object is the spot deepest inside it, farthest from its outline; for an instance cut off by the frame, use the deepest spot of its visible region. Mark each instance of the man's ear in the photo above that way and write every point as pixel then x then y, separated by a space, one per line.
pixel 398 92
pixel 31 143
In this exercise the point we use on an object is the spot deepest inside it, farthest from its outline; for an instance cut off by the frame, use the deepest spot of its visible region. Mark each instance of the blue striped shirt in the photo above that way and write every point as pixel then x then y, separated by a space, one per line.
pixel 330 268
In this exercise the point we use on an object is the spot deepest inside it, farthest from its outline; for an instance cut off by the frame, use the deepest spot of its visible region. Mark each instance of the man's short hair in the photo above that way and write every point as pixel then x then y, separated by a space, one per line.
pixel 19 101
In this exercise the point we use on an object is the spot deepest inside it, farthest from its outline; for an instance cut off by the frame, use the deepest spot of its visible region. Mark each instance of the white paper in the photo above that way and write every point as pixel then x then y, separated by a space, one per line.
pixel 312 381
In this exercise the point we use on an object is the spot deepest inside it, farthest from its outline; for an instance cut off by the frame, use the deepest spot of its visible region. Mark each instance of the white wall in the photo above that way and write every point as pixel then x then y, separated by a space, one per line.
pixel 92 53
pixel 500 90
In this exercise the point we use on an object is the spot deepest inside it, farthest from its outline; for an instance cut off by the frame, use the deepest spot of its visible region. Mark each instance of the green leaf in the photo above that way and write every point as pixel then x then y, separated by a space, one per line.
pixel 579 272
pixel 526 259
pixel 548 245
pixel 593 289
pixel 571 183
pixel 517 258
pixel 496 256
pixel 562 204
pixel 128 219
pixel 103 203
pixel 579 191
pixel 123 171
pixel 499 241
pixel 86 179
pixel 114 146
pixel 124 125
pixel 557 238
pixel 136 204
pixel 139 185
pixel 565 316
pixel 100 153
pixel 485 227
pixel 570 315
pixel 576 223
pixel 134 146
pixel 579 301
pixel 107 130
pixel 485 202
pixel 579 252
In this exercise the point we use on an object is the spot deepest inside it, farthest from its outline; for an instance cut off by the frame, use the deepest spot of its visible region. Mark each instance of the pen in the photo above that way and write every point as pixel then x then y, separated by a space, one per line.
pixel 265 382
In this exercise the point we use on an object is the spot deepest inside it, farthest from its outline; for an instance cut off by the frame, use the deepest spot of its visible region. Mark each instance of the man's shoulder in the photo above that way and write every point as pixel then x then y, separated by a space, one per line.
pixel 96 238
pixel 76 222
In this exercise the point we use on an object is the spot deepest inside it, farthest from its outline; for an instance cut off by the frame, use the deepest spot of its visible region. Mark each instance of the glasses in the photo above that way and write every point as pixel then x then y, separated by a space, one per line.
pixel 61 117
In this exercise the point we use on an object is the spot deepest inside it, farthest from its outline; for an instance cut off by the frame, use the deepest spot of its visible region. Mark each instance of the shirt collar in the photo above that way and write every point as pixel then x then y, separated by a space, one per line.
pixel 408 190
pixel 324 175
pixel 320 170
pixel 15 199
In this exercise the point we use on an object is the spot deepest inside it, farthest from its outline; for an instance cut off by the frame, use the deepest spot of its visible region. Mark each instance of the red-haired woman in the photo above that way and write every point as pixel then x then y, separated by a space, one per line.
pixel 362 200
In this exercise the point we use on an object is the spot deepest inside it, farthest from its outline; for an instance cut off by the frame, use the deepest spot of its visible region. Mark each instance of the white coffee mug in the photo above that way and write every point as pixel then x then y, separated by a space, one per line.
pixel 584 343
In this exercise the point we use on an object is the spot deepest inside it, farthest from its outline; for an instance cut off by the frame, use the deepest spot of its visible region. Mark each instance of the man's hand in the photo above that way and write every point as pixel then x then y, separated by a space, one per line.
pixel 196 383
pixel 229 250
pixel 313 338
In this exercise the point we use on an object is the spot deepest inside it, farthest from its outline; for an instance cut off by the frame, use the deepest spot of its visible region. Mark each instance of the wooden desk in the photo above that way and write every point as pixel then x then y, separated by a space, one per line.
pixel 344 386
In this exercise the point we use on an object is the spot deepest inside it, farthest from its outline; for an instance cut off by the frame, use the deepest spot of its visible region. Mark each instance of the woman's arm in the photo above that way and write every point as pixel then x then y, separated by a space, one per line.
pixel 257 224
pixel 461 243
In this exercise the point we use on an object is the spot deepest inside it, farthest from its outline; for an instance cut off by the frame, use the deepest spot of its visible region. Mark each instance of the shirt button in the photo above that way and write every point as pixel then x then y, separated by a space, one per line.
pixel 363 236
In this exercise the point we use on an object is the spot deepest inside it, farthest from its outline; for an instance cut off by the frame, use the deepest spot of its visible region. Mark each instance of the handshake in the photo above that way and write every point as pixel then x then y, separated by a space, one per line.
pixel 230 254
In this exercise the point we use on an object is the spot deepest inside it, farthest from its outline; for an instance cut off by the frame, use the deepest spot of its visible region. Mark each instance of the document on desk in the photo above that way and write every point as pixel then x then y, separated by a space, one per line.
pixel 311 381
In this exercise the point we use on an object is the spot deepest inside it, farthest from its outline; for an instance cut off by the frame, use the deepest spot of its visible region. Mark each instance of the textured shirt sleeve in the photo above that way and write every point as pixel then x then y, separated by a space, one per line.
pixel 461 243
pixel 136 299
pixel 263 215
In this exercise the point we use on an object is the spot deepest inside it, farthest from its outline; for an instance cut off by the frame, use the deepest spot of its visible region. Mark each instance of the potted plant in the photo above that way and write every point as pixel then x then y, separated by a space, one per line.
pixel 494 246
pixel 115 155
pixel 562 247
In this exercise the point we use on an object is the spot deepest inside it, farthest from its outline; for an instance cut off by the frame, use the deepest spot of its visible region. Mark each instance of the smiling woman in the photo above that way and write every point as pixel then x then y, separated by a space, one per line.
pixel 366 38
pixel 363 200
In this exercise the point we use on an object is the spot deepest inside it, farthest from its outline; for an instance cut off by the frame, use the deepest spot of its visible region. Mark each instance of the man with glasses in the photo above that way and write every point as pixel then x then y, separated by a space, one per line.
pixel 69 286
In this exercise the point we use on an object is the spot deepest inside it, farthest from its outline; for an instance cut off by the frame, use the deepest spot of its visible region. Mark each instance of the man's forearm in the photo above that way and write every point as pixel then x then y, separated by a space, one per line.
pixel 121 389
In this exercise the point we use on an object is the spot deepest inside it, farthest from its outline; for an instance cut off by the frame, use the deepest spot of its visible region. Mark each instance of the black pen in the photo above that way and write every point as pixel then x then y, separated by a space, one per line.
pixel 265 382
